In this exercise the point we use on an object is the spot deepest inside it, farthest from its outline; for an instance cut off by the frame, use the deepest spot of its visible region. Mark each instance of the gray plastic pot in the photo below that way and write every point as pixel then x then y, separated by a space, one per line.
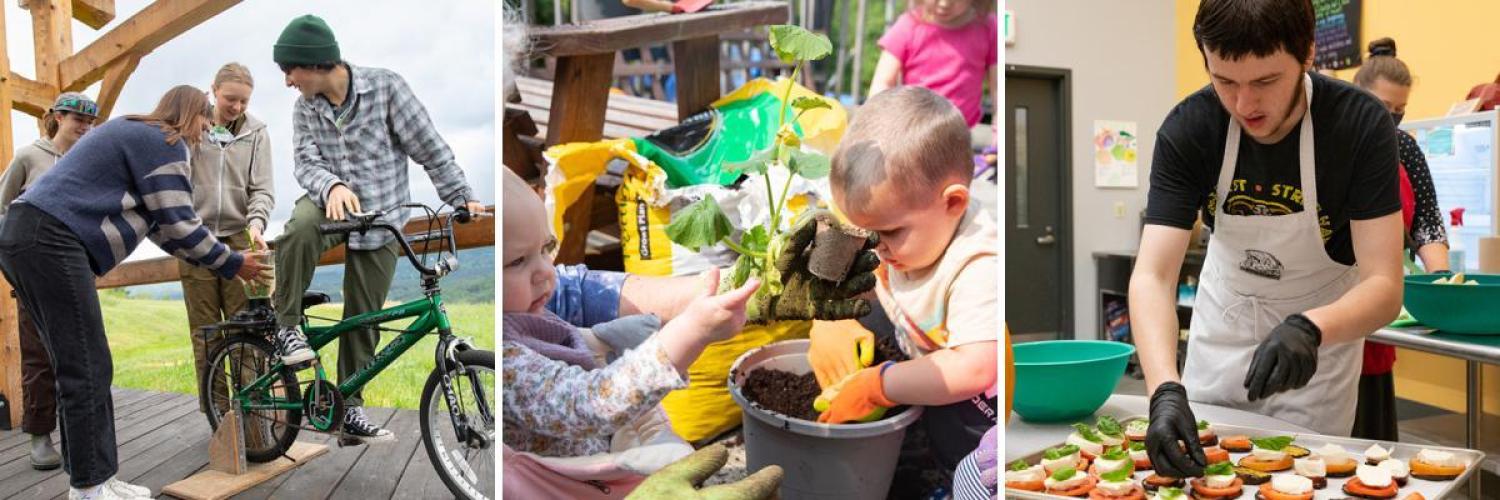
pixel 846 461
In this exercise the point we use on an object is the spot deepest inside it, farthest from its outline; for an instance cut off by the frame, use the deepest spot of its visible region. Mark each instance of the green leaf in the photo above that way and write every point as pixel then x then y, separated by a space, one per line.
pixel 758 162
pixel 756 239
pixel 1108 426
pixel 809 165
pixel 1064 474
pixel 792 44
pixel 1116 476
pixel 701 224
pixel 744 266
pixel 805 103
pixel 1219 469
pixel 1116 453
pixel 1140 425
pixel 1202 425
pixel 1137 446
pixel 1059 452
pixel 1018 465
pixel 1169 492
pixel 1276 443
pixel 1087 433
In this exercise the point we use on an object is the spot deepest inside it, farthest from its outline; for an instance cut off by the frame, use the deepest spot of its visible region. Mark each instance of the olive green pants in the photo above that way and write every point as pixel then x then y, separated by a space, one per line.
pixel 367 280
pixel 210 299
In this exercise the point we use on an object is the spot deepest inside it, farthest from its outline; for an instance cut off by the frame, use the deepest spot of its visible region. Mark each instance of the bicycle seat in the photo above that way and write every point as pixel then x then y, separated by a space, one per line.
pixel 311 298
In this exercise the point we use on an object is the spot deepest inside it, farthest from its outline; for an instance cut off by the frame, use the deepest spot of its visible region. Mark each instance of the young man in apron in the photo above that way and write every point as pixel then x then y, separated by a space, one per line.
pixel 1295 173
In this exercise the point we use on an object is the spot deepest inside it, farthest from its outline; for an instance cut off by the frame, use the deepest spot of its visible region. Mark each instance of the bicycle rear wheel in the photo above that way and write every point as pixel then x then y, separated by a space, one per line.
pixel 238 361
pixel 466 464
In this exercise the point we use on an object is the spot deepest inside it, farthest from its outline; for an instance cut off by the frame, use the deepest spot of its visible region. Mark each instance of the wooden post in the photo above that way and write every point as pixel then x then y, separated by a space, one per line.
pixel 578 115
pixel 52 39
pixel 226 450
pixel 696 62
pixel 10 339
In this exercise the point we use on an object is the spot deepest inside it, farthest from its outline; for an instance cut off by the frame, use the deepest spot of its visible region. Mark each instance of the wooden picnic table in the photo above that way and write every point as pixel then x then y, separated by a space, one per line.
pixel 585 65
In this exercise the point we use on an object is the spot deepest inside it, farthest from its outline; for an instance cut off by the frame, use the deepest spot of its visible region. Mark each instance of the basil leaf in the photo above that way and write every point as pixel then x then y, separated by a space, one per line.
pixel 1116 453
pixel 1018 465
pixel 1202 425
pixel 1116 476
pixel 1109 426
pixel 1276 443
pixel 1064 474
pixel 1087 433
pixel 1219 469
pixel 1060 452
pixel 1137 446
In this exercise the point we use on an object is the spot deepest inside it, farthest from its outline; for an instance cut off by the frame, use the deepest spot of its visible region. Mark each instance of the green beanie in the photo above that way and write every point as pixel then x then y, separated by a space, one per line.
pixel 306 40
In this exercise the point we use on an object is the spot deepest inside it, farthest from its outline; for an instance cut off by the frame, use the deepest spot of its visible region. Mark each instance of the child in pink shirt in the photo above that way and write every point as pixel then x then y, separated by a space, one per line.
pixel 948 46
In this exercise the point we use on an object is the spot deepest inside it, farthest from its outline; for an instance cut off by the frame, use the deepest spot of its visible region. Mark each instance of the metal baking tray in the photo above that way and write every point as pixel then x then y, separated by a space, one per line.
pixel 1335 488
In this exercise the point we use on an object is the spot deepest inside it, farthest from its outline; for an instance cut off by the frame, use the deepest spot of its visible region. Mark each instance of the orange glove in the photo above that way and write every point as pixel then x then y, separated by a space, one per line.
pixel 839 348
pixel 861 396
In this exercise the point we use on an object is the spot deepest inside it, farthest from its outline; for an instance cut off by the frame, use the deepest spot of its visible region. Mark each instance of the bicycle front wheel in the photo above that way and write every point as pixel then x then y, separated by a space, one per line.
pixel 465 460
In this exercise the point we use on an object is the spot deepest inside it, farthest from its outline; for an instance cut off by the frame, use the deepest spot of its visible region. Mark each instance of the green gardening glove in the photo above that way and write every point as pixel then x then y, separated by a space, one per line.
pixel 678 481
pixel 804 295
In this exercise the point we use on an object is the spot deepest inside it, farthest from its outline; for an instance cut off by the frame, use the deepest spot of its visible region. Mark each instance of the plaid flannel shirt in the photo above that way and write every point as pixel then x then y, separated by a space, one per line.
pixel 368 150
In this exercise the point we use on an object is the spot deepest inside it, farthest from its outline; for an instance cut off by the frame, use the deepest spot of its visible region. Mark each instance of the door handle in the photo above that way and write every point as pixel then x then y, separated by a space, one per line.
pixel 1046 239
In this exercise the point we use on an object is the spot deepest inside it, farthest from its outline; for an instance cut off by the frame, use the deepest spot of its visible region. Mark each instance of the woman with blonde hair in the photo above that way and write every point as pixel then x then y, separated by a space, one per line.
pixel 233 194
pixel 126 181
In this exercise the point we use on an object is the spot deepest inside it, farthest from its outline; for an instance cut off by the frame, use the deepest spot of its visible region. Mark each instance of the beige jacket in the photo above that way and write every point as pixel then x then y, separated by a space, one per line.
pixel 233 186
pixel 29 164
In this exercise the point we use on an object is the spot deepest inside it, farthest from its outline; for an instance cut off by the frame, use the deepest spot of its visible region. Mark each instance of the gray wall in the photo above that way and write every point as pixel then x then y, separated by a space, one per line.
pixel 1122 62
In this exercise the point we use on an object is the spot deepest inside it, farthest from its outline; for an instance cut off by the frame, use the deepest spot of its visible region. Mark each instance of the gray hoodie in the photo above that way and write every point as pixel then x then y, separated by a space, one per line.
pixel 30 163
pixel 232 183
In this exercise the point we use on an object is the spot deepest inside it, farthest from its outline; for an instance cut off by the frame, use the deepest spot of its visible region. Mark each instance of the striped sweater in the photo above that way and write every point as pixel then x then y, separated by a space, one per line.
pixel 122 183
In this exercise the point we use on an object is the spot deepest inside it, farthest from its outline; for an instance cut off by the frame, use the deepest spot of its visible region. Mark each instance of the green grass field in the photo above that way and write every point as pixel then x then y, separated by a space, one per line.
pixel 152 350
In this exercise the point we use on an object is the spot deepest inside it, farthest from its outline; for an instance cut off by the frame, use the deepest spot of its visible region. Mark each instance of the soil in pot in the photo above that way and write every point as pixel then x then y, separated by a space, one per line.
pixel 792 394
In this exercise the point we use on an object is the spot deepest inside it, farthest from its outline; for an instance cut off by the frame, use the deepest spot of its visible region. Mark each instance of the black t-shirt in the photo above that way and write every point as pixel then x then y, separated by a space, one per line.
pixel 1355 151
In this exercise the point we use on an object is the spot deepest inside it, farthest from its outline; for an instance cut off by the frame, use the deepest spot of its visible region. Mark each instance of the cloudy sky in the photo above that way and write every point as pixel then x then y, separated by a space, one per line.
pixel 444 50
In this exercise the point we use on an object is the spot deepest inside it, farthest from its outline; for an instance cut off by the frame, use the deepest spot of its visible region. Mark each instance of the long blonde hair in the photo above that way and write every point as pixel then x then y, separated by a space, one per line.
pixel 178 110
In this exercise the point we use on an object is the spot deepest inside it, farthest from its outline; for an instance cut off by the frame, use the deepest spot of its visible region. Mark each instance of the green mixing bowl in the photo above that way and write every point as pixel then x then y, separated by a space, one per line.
pixel 1065 380
pixel 1462 309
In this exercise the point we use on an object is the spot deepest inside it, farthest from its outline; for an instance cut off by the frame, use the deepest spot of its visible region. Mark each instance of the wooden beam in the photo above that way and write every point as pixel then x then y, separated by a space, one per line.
pixel 10 338
pixel 30 96
pixel 615 34
pixel 114 83
pixel 94 13
pixel 52 36
pixel 140 34
pixel 479 233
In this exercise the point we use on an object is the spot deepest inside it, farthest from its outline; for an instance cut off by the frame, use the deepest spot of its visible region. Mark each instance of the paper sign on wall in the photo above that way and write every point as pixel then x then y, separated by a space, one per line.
pixel 1115 150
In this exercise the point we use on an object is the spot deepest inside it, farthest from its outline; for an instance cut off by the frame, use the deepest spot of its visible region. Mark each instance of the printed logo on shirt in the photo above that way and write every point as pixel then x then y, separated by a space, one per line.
pixel 1254 200
pixel 1263 264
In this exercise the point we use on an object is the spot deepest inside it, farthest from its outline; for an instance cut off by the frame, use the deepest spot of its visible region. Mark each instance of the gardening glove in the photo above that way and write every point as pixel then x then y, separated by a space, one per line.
pixel 624 333
pixel 860 397
pixel 805 296
pixel 1286 360
pixel 1172 426
pixel 838 349
pixel 677 481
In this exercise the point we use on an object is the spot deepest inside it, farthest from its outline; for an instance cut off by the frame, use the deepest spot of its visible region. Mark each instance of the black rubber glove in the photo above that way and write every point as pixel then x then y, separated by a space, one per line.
pixel 1172 426
pixel 1286 360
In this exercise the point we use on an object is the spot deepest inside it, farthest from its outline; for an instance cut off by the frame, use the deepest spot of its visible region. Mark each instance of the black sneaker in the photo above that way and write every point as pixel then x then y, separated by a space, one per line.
pixel 359 427
pixel 292 346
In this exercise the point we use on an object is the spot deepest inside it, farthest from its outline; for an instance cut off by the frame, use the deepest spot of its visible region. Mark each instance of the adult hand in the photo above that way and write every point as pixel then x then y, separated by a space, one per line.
pixel 861 397
pixel 476 208
pixel 1172 437
pixel 257 240
pixel 341 201
pixel 676 480
pixel 1286 360
pixel 838 349
pixel 252 269
pixel 804 295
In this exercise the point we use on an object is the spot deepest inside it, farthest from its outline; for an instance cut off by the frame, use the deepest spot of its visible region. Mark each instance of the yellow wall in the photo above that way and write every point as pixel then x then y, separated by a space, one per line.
pixel 1450 47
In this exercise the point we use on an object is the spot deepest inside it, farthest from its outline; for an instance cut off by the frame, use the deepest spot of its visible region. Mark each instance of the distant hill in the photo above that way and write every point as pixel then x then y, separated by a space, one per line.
pixel 473 283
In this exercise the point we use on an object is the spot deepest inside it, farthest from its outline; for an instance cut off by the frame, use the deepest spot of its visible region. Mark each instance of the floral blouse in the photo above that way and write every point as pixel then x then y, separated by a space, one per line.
pixel 552 408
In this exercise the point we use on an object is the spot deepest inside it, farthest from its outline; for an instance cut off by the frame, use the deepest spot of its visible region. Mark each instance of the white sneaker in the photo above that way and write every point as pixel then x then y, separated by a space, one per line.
pixel 112 489
pixel 125 489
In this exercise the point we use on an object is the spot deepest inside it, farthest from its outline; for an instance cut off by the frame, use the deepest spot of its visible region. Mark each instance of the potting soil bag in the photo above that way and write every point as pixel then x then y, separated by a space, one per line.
pixel 571 169
pixel 705 409
pixel 734 128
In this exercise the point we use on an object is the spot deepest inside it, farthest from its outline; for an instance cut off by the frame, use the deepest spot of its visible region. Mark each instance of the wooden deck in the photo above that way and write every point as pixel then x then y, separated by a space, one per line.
pixel 162 438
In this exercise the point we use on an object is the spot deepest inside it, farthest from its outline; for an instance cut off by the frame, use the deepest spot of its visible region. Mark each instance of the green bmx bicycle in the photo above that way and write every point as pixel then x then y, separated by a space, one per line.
pixel 457 418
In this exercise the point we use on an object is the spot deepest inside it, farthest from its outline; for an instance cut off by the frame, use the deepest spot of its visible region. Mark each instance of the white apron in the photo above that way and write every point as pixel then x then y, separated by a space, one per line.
pixel 1259 270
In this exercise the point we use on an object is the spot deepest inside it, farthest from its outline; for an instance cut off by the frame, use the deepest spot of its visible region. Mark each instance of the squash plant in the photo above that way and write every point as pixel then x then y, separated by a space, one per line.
pixel 704 224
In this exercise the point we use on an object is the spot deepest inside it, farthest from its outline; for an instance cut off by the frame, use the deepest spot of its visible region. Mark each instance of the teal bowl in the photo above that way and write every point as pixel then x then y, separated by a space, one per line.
pixel 1066 380
pixel 1462 309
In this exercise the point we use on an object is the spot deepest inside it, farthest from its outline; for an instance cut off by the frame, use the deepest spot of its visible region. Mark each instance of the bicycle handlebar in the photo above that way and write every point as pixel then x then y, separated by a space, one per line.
pixel 363 223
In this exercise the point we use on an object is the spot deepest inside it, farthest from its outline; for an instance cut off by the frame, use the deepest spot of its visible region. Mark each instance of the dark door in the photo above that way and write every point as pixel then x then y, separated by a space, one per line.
pixel 1038 283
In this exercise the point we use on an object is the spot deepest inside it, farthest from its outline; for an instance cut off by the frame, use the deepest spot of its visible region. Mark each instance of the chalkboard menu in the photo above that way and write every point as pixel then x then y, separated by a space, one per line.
pixel 1337 35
